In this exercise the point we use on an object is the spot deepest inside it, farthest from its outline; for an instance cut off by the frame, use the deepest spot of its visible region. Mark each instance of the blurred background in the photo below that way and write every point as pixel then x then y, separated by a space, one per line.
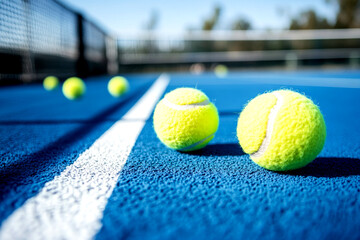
pixel 91 37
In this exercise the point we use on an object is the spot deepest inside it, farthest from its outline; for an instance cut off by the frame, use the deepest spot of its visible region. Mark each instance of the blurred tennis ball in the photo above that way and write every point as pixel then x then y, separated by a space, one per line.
pixel 281 130
pixel 73 88
pixel 50 83
pixel 117 86
pixel 197 68
pixel 221 70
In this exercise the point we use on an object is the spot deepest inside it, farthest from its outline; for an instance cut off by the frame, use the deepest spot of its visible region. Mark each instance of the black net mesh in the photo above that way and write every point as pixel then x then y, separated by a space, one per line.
pixel 95 47
pixel 44 37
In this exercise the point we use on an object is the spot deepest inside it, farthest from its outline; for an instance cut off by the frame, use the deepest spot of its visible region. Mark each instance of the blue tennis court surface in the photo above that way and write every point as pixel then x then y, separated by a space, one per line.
pixel 158 193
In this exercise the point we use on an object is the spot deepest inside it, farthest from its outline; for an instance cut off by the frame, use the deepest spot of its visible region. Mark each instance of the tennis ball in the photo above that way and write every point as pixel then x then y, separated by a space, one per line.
pixel 117 86
pixel 197 68
pixel 281 130
pixel 73 88
pixel 221 70
pixel 185 119
pixel 50 83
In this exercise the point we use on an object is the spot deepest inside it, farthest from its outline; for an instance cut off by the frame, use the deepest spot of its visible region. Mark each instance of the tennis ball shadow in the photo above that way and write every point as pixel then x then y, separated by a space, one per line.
pixel 229 113
pixel 329 167
pixel 219 149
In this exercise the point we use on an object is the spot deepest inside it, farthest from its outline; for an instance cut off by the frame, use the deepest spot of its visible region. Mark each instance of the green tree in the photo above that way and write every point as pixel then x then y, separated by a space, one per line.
pixel 153 21
pixel 241 24
pixel 309 20
pixel 209 24
pixel 348 14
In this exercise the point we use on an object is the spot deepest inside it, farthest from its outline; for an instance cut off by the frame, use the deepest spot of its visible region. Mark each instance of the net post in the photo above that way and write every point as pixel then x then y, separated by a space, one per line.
pixel 81 64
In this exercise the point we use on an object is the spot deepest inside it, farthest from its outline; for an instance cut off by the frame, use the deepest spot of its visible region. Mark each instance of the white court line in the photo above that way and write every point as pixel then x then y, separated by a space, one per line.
pixel 71 205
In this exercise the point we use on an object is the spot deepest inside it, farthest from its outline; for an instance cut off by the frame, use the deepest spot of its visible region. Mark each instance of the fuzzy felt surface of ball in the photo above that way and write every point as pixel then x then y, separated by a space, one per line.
pixel 185 119
pixel 50 83
pixel 118 86
pixel 73 88
pixel 281 130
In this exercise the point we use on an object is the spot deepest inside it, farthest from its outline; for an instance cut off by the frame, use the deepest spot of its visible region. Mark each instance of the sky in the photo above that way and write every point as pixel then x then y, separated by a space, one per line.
pixel 120 17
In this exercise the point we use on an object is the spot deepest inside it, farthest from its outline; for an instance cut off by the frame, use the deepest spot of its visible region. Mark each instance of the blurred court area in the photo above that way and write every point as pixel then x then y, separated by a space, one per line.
pixel 44 37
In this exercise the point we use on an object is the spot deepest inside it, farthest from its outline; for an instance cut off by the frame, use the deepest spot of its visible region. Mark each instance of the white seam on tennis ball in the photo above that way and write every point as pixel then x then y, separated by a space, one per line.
pixel 197 143
pixel 185 107
pixel 270 126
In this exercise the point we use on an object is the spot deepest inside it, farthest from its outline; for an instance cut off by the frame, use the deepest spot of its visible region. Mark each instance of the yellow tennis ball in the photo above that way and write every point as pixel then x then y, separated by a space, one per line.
pixel 185 119
pixel 117 86
pixel 51 83
pixel 281 130
pixel 221 71
pixel 73 88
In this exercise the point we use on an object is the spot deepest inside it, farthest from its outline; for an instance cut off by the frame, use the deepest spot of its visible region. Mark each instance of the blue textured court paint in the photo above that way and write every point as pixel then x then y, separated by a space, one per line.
pixel 219 193
pixel 43 132
pixel 215 193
